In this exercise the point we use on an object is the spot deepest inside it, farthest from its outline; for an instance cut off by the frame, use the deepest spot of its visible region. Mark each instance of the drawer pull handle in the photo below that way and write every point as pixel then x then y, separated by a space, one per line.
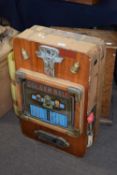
pixel 51 138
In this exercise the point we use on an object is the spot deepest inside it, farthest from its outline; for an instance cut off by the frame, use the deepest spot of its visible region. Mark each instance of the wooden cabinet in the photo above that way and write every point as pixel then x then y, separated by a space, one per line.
pixel 58 85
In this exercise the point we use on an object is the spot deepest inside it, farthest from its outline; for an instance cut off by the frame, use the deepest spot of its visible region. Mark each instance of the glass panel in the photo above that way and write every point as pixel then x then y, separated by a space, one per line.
pixel 48 104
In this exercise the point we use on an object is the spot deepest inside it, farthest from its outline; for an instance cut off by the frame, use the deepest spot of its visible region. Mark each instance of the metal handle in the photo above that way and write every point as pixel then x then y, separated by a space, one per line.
pixel 51 138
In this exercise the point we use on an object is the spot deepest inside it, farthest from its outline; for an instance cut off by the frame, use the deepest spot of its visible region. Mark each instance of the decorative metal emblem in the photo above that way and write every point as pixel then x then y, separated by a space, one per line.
pixel 50 56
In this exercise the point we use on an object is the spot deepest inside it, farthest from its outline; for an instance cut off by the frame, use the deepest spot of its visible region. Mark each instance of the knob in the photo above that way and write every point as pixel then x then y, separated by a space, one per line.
pixel 25 54
pixel 75 67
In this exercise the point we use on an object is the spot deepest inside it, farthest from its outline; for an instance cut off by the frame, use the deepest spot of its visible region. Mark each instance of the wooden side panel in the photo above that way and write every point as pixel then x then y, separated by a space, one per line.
pixel 99 92
pixel 108 79
pixel 93 83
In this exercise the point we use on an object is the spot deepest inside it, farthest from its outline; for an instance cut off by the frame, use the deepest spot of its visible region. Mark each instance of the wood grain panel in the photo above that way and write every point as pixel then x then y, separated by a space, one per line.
pixel 108 79
pixel 77 145
pixel 19 60
pixel 62 70
pixel 88 2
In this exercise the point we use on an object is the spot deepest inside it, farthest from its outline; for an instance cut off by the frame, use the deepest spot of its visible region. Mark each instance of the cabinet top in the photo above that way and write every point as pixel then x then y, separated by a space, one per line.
pixel 63 39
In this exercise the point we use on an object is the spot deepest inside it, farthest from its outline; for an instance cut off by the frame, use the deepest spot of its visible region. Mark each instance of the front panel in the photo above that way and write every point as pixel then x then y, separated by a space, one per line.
pixel 54 103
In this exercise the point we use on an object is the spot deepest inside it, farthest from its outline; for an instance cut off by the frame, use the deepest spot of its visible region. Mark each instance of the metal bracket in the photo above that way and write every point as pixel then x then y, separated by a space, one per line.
pixel 22 116
pixel 74 132
pixel 20 76
pixel 75 91
pixel 50 56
